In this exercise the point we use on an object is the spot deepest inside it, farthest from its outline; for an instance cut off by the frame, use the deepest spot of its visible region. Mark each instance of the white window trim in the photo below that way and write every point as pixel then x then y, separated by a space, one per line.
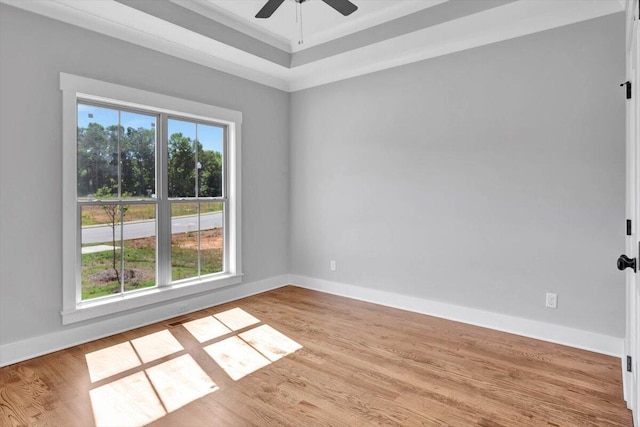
pixel 74 87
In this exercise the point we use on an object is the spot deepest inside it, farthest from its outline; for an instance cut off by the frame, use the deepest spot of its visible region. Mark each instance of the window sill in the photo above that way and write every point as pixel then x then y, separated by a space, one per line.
pixel 104 307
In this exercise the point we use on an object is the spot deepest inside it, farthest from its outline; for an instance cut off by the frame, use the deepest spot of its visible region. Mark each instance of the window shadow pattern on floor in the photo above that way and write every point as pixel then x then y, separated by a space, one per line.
pixel 139 381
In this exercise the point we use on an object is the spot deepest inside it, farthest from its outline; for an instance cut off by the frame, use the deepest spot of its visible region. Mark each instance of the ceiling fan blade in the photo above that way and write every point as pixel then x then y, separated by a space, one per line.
pixel 345 7
pixel 268 9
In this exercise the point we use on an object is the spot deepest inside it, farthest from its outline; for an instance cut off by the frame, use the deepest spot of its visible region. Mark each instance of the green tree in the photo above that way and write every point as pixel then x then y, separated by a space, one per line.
pixel 95 149
pixel 211 175
pixel 137 156
pixel 181 166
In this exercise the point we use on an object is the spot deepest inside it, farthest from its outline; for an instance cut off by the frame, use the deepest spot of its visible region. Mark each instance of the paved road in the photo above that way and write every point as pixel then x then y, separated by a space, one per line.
pixel 139 229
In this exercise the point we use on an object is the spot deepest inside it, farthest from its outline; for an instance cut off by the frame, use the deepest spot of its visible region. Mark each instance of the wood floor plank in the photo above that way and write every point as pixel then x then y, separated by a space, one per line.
pixel 326 361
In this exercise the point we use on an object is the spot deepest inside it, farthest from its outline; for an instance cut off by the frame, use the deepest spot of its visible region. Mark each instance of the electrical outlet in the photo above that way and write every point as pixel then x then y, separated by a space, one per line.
pixel 183 308
pixel 552 300
pixel 333 266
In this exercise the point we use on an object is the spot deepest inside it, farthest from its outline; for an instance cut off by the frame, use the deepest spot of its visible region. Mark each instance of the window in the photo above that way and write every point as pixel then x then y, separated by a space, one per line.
pixel 151 198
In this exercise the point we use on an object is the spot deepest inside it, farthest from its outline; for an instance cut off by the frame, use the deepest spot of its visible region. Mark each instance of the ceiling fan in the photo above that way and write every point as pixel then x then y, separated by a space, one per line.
pixel 345 7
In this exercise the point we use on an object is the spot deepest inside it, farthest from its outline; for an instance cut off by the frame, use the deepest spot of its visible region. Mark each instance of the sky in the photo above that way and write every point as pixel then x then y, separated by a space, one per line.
pixel 209 136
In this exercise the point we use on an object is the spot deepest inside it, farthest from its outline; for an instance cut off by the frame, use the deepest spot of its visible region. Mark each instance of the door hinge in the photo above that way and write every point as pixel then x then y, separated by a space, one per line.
pixel 628 85
pixel 629 360
pixel 629 227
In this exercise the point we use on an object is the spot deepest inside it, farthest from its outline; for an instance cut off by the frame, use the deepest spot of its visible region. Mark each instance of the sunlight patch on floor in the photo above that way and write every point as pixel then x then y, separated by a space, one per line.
pixel 206 328
pixel 247 352
pixel 180 381
pixel 111 361
pixel 236 319
pixel 129 401
pixel 158 387
pixel 271 343
pixel 236 357
pixel 155 346
pixel 147 394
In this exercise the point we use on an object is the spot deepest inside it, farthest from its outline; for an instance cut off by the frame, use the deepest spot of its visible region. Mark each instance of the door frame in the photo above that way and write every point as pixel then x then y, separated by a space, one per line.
pixel 632 245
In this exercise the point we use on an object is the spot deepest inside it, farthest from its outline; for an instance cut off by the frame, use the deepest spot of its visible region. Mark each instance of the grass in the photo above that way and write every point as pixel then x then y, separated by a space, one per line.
pixel 140 260
pixel 140 257
pixel 95 214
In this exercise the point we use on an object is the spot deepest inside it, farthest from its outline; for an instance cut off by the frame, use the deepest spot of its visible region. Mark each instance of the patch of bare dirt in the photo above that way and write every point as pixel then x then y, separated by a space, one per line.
pixel 209 239
pixel 130 274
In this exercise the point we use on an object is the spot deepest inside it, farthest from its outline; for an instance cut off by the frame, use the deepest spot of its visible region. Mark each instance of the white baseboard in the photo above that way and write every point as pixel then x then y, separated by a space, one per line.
pixel 626 382
pixel 73 335
pixel 578 338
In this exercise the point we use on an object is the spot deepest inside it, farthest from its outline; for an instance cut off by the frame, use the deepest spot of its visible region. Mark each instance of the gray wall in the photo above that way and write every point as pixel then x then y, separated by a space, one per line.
pixel 33 51
pixel 483 178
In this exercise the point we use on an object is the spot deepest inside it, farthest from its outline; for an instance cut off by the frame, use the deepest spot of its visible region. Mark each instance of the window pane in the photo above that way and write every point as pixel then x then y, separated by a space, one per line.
pixel 184 240
pixel 101 256
pixel 182 160
pixel 210 160
pixel 138 155
pixel 197 240
pixel 139 229
pixel 97 150
pixel 211 238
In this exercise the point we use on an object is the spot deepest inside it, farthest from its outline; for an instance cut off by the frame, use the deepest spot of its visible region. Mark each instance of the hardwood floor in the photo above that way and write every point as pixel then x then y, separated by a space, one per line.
pixel 297 357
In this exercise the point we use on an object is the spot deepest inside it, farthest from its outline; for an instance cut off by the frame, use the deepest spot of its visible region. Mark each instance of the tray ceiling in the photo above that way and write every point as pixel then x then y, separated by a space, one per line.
pixel 224 35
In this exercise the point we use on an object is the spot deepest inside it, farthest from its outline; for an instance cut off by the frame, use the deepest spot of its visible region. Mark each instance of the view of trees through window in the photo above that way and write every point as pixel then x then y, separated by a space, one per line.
pixel 120 202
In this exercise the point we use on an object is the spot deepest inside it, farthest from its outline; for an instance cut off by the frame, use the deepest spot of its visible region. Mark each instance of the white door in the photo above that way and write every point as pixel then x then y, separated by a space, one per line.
pixel 632 339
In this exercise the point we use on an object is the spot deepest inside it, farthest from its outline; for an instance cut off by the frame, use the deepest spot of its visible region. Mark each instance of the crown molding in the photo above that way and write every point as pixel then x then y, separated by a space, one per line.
pixel 508 21
pixel 512 20
pixel 122 22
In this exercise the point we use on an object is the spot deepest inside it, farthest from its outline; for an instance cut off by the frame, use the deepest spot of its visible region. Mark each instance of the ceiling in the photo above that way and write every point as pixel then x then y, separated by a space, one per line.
pixel 225 35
